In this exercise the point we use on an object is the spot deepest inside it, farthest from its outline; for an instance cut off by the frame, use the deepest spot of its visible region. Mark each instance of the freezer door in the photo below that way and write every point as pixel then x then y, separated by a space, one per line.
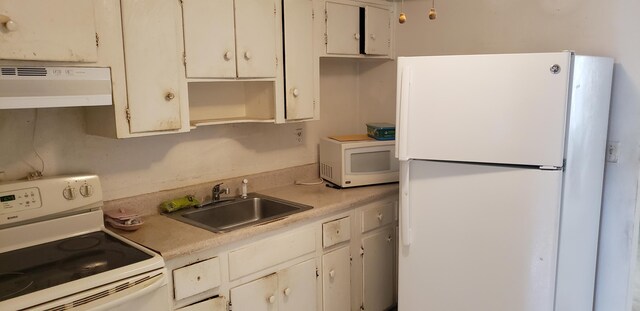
pixel 482 237
pixel 509 108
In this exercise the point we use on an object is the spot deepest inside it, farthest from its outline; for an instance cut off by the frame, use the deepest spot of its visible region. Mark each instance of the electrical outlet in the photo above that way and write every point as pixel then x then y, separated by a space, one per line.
pixel 613 151
pixel 299 135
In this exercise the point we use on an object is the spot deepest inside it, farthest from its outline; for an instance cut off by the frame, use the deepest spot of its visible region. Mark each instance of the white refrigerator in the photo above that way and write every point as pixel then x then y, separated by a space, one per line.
pixel 502 159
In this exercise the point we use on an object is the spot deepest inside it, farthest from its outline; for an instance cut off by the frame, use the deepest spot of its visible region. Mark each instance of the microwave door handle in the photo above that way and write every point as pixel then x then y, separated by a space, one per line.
pixel 402 114
pixel 405 204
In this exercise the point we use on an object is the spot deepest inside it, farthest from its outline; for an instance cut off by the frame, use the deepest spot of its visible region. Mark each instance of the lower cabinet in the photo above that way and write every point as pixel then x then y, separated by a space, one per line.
pixel 346 262
pixel 291 289
pixel 378 273
pixel 336 280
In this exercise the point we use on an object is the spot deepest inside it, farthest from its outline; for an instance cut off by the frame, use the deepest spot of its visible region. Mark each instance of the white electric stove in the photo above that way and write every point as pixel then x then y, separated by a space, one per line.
pixel 55 253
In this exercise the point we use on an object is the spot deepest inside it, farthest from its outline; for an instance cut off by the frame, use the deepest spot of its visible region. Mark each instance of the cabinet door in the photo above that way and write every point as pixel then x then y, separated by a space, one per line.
pixel 377 40
pixel 297 287
pixel 48 30
pixel 209 38
pixel 256 38
pixel 299 67
pixel 378 266
pixel 259 295
pixel 152 60
pixel 336 280
pixel 343 29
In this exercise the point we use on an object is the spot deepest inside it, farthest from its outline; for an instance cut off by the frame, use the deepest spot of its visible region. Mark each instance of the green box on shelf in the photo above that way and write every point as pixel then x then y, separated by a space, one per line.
pixel 381 131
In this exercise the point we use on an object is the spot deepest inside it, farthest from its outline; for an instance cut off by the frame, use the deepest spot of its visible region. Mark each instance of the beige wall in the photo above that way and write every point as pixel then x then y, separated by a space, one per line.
pixel 142 165
pixel 589 27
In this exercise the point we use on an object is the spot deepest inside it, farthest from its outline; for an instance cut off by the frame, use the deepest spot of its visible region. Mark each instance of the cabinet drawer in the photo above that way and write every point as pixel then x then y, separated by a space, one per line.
pixel 336 231
pixel 196 278
pixel 270 252
pixel 215 304
pixel 378 215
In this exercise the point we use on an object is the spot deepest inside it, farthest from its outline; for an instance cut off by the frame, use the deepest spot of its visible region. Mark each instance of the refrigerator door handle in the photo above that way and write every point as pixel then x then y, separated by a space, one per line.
pixel 402 114
pixel 405 206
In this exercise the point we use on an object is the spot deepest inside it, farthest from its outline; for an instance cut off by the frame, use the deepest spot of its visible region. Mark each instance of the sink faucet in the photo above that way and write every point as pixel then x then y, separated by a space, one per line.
pixel 216 191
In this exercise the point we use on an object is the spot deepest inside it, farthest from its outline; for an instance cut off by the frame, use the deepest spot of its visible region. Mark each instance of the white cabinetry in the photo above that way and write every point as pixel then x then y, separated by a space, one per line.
pixel 301 62
pixel 230 38
pixel 233 59
pixel 336 280
pixel 291 289
pixel 48 30
pixel 378 262
pixel 152 61
pixel 343 262
pixel 357 29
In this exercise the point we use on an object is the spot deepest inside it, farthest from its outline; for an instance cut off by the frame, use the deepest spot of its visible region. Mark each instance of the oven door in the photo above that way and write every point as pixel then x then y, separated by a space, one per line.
pixel 146 292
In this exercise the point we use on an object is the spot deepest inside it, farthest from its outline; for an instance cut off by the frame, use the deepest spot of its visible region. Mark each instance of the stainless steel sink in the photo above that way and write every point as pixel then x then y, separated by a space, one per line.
pixel 238 213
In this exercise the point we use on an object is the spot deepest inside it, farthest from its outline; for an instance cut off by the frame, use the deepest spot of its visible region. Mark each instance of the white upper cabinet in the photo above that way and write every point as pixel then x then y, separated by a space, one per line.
pixel 356 29
pixel 300 68
pixel 48 30
pixel 209 38
pixel 152 61
pixel 256 38
pixel 229 39
pixel 343 28
pixel 377 34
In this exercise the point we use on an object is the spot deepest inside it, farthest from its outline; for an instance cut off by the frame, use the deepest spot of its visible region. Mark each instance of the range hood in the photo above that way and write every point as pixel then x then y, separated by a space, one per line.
pixel 47 87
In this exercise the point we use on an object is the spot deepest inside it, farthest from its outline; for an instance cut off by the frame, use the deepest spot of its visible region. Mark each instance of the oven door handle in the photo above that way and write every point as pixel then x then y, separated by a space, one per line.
pixel 159 281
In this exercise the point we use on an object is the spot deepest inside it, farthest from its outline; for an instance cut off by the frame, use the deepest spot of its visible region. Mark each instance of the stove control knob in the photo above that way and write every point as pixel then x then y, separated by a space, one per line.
pixel 69 193
pixel 86 190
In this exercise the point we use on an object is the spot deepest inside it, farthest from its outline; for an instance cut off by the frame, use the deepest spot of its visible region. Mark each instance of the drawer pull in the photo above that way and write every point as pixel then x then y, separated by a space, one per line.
pixel 332 274
pixel 271 299
pixel 287 291
pixel 380 217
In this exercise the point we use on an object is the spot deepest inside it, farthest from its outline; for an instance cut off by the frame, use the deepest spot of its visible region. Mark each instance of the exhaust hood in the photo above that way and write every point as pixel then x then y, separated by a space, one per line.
pixel 49 87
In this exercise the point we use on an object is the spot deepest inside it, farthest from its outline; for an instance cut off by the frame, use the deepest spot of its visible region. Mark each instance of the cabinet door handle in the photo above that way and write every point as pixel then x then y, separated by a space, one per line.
pixel 380 217
pixel 271 299
pixel 332 274
pixel 170 96
pixel 295 92
pixel 247 55
pixel 287 291
pixel 11 25
pixel 357 36
pixel 373 36
pixel 227 56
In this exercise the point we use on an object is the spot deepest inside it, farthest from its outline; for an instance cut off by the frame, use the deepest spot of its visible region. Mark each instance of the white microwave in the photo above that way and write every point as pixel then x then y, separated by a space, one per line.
pixel 358 163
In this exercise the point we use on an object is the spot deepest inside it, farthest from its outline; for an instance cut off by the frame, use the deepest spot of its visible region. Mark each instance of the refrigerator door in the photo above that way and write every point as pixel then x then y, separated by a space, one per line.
pixel 483 237
pixel 508 108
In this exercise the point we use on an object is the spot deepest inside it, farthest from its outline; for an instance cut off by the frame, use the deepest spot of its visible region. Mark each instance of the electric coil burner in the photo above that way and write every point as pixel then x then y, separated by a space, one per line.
pixel 55 253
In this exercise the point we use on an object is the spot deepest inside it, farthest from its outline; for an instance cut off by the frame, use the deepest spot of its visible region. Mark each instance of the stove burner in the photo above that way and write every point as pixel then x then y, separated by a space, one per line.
pixel 12 283
pixel 79 243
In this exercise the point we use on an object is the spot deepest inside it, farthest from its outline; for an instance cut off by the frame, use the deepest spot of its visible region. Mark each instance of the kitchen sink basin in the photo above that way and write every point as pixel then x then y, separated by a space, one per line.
pixel 238 213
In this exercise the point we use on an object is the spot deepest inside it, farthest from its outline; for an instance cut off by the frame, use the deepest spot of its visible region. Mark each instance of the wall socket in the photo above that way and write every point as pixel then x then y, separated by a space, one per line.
pixel 613 151
pixel 299 135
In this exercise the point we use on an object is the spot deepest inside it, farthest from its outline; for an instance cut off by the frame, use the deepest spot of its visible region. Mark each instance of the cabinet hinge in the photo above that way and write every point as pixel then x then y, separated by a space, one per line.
pixel 181 2
pixel 184 58
pixel 275 12
pixel 128 115
pixel 362 307
pixel 313 14
pixel 317 273
pixel 97 40
pixel 361 251
pixel 326 40
pixel 326 15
